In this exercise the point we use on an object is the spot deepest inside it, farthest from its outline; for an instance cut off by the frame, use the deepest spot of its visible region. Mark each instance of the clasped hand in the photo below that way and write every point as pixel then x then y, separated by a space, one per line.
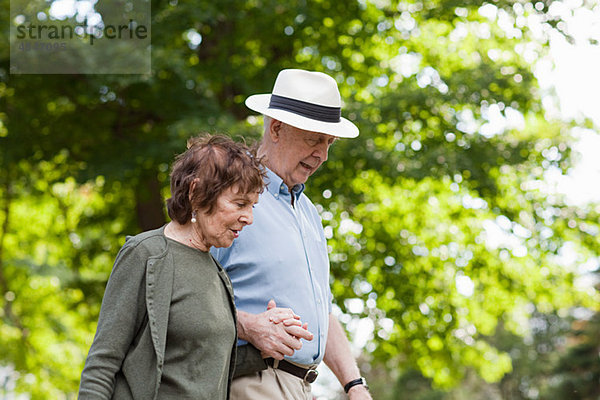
pixel 276 332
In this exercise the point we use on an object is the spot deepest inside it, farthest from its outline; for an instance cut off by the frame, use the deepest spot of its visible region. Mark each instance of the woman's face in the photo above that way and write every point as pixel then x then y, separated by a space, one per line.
pixel 231 213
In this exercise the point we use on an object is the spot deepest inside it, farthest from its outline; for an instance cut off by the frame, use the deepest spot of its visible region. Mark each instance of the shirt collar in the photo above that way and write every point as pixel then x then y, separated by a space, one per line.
pixel 276 186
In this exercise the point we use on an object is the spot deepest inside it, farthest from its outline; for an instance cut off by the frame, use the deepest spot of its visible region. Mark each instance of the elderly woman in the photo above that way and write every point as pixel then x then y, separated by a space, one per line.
pixel 167 326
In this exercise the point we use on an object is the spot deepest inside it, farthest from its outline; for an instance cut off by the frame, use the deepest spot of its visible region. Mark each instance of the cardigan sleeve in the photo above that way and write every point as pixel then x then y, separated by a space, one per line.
pixel 121 315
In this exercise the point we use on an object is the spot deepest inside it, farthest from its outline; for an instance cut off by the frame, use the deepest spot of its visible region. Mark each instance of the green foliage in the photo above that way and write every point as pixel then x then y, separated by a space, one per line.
pixel 57 239
pixel 437 219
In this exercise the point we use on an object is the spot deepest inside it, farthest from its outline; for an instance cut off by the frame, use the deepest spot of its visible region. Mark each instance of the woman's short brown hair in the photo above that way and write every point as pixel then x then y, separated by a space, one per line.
pixel 215 163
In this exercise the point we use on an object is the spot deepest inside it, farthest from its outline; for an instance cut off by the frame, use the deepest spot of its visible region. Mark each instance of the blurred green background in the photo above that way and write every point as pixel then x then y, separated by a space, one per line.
pixel 443 240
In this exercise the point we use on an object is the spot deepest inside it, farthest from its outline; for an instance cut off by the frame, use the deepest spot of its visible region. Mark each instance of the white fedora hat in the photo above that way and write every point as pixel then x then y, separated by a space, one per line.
pixel 307 100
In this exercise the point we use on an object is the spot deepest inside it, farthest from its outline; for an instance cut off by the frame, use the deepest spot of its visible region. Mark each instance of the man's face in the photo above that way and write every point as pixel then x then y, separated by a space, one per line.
pixel 298 153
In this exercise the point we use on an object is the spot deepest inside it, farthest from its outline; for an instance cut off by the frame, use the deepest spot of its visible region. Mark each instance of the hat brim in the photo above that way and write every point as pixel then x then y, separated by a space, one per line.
pixel 342 129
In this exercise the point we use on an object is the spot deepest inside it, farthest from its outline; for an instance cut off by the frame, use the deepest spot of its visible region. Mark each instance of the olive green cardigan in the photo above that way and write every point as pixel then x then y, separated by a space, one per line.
pixel 127 355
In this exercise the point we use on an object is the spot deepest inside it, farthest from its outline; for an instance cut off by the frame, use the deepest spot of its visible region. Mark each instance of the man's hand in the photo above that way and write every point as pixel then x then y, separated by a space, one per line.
pixel 359 392
pixel 275 332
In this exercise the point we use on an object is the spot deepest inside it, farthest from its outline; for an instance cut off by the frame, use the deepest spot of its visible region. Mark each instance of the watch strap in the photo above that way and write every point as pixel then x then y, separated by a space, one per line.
pixel 359 381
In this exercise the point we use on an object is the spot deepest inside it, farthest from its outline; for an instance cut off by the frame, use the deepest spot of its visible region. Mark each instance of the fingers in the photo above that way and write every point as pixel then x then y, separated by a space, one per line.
pixel 290 322
pixel 284 340
pixel 279 346
pixel 278 352
pixel 300 332
pixel 271 305
pixel 291 343
pixel 275 354
pixel 295 322
pixel 276 319
pixel 277 315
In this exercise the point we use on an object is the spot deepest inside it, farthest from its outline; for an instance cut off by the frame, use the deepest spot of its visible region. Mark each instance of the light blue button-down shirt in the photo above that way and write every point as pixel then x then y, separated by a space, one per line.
pixel 283 256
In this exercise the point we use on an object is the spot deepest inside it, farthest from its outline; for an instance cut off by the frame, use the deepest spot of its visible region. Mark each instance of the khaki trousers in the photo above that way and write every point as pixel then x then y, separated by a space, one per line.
pixel 270 384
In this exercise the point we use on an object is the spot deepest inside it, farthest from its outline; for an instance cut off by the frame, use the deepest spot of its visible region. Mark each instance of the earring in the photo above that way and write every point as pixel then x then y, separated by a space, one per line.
pixel 193 217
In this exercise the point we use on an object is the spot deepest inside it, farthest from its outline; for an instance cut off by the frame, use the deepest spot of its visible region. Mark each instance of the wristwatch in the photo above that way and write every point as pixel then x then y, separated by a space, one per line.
pixel 359 381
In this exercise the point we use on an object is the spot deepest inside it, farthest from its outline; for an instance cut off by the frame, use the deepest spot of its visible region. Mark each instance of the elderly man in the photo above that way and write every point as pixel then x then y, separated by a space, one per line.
pixel 279 265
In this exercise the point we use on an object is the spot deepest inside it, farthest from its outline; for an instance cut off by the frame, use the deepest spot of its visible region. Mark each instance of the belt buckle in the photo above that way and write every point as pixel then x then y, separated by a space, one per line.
pixel 311 375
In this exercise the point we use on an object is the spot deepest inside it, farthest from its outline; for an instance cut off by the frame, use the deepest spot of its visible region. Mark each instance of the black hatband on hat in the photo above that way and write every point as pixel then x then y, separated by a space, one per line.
pixel 308 110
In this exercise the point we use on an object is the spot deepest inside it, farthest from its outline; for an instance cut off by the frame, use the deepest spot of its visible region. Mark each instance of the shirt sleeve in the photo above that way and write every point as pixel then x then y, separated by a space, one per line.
pixel 121 315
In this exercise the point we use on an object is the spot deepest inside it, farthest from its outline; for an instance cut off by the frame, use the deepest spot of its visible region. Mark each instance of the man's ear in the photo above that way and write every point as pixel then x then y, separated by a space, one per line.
pixel 275 130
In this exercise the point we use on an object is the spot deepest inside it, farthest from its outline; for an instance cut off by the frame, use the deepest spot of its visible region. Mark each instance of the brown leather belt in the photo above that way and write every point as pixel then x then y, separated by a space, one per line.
pixel 307 374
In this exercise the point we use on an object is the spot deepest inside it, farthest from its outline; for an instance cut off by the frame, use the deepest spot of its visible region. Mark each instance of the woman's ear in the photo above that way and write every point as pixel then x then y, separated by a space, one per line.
pixel 192 188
